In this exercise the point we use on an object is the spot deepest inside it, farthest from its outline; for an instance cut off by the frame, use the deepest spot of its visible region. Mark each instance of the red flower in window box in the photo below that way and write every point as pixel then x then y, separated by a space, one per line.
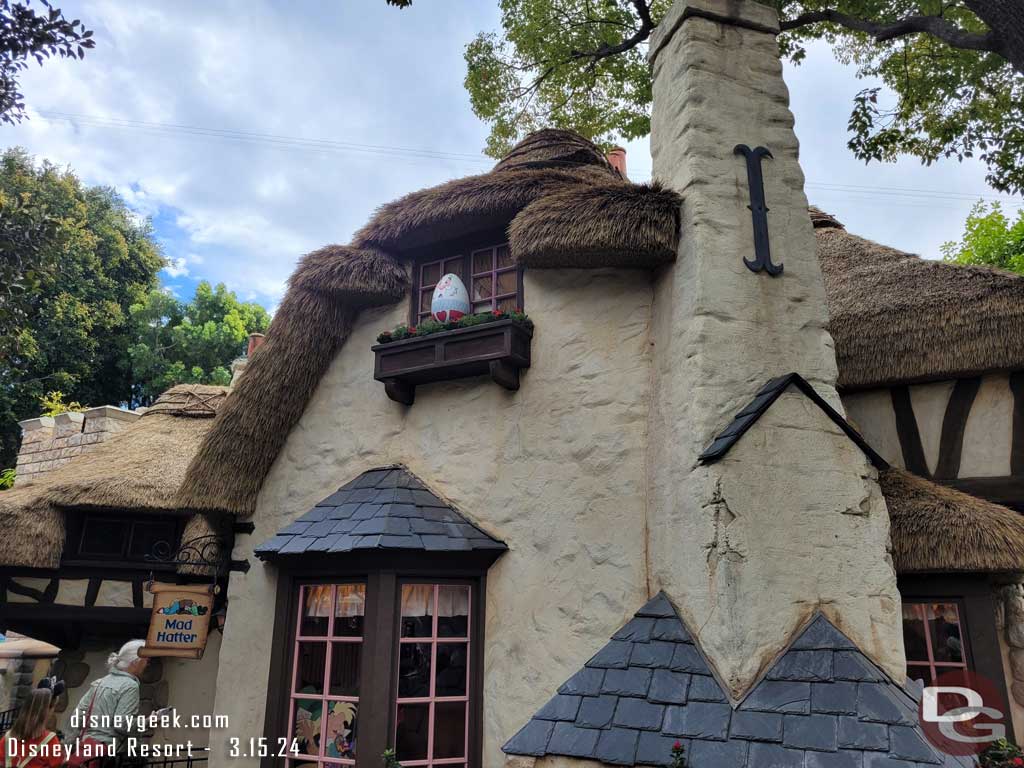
pixel 497 313
pixel 412 329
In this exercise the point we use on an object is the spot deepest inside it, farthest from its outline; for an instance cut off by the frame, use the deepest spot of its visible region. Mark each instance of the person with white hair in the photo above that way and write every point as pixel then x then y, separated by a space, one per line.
pixel 107 709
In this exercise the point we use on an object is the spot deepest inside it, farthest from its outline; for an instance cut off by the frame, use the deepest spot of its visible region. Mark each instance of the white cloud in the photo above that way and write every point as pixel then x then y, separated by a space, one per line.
pixel 177 267
pixel 359 75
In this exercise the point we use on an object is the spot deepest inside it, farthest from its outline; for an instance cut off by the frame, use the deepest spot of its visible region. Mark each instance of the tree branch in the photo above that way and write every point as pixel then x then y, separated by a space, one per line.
pixel 882 32
pixel 643 12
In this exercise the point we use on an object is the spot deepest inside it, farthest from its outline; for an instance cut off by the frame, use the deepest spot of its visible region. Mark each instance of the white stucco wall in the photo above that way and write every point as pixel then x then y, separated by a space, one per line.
pixel 929 401
pixel 871 413
pixel 989 431
pixel 988 434
pixel 556 470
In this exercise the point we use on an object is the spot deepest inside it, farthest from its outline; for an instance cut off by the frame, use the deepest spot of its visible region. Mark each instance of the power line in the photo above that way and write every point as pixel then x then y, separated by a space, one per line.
pixel 420 156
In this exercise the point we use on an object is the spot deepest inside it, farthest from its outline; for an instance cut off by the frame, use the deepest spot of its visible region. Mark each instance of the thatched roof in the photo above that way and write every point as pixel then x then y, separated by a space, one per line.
pixel 896 317
pixel 607 225
pixel 939 529
pixel 330 286
pixel 137 470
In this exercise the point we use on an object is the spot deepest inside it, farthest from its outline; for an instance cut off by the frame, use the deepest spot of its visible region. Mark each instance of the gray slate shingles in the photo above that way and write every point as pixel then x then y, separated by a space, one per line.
pixel 387 509
pixel 823 705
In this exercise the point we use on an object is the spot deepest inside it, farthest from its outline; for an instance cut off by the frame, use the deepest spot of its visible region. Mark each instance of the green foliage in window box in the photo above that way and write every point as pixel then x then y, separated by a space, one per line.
pixel 1002 754
pixel 6 479
pixel 390 760
pixel 430 326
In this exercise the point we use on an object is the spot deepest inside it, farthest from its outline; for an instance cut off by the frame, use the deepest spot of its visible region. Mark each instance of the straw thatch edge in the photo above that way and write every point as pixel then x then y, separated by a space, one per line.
pixel 614 225
pixel 937 529
pixel 898 318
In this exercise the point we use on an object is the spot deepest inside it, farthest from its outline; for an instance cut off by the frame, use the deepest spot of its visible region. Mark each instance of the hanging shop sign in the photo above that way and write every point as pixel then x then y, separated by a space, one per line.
pixel 180 621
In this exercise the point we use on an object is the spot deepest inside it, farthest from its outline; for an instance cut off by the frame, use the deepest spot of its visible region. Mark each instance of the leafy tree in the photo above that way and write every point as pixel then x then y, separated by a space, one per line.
pixel 25 35
pixel 54 404
pixel 189 343
pixel 74 260
pixel 990 238
pixel 956 68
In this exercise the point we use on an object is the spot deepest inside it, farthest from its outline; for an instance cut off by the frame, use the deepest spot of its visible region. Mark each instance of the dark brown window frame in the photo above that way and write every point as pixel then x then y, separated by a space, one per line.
pixel 380 632
pixel 459 248
pixel 974 593
pixel 76 527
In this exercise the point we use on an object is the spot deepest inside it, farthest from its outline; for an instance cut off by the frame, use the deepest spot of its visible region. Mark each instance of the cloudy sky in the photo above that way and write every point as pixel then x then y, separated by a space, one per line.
pixel 252 132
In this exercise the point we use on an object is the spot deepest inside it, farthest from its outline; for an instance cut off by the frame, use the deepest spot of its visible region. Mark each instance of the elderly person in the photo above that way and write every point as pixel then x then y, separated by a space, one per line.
pixel 110 705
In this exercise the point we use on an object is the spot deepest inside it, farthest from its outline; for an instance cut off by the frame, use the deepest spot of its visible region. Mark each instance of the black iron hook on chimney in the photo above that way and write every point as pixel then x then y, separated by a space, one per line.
pixel 758 211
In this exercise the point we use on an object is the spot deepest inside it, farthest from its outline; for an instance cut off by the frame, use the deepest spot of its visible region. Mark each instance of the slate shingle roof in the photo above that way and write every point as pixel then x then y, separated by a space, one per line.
pixel 823 705
pixel 763 400
pixel 386 508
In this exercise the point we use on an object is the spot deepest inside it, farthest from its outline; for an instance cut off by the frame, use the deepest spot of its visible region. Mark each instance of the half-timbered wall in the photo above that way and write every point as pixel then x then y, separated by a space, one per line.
pixel 187 685
pixel 968 433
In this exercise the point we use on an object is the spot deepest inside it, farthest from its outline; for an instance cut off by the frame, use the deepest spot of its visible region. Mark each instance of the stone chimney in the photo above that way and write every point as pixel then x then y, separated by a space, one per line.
pixel 255 342
pixel 239 364
pixel 49 442
pixel 791 519
pixel 617 159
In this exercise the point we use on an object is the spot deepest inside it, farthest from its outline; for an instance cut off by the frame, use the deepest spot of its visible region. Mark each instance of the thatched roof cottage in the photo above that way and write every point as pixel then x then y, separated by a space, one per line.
pixel 688 470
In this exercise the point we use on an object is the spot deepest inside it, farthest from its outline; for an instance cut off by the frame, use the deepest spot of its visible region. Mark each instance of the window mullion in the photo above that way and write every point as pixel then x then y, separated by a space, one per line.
pixel 376 685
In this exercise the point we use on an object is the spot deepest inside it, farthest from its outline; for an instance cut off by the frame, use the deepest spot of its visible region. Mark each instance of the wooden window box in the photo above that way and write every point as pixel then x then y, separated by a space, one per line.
pixel 500 349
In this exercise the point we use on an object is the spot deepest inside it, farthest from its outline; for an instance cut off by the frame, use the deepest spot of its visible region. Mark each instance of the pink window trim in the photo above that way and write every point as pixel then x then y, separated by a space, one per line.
pixel 930 662
pixel 433 700
pixel 325 697
pixel 468 276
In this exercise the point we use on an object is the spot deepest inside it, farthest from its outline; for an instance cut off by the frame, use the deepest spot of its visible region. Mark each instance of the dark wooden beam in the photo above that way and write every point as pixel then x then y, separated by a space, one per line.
pixel 1001 490
pixel 954 423
pixel 93 591
pixel 906 428
pixel 137 593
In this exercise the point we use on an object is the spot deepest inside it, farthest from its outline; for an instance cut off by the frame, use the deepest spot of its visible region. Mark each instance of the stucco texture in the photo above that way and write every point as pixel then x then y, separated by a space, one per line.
pixel 988 433
pixel 747 548
pixel 556 470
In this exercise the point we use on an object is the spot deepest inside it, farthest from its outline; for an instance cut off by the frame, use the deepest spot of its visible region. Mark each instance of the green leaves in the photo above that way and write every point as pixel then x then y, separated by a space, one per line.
pixel 189 343
pixel 955 97
pixel 72 262
pixel 25 35
pixel 991 239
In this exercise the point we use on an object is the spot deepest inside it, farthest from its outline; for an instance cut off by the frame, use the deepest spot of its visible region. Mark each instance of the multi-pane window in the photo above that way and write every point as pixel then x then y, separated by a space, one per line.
pixel 325 674
pixel 934 639
pixel 122 540
pixel 400 679
pixel 433 675
pixel 490 276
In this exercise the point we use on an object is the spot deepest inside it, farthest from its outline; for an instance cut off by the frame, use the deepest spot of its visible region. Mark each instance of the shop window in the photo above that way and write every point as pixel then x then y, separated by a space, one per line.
pixel 433 675
pixel 491 278
pixel 934 638
pixel 323 716
pixel 338 660
pixel 122 540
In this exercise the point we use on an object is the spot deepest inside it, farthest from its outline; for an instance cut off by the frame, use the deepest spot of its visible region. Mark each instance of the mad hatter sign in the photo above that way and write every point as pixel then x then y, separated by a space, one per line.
pixel 180 620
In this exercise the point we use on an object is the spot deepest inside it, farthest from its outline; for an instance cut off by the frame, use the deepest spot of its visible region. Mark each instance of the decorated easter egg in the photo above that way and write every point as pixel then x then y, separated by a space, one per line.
pixel 450 300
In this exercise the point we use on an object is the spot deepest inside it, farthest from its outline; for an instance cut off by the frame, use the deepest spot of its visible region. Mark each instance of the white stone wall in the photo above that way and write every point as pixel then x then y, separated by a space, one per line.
pixel 49 442
pixel 557 470
pixel 749 547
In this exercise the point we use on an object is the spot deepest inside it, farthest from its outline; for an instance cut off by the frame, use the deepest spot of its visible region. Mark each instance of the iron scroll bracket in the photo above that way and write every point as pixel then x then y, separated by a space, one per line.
pixel 208 553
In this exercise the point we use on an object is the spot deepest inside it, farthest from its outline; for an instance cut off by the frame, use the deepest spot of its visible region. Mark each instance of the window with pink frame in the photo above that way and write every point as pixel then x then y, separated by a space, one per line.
pixel 325 681
pixel 491 278
pixel 432 702
pixel 933 636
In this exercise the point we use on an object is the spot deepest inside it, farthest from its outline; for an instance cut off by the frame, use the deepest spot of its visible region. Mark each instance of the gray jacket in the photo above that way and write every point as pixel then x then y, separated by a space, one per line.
pixel 114 698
